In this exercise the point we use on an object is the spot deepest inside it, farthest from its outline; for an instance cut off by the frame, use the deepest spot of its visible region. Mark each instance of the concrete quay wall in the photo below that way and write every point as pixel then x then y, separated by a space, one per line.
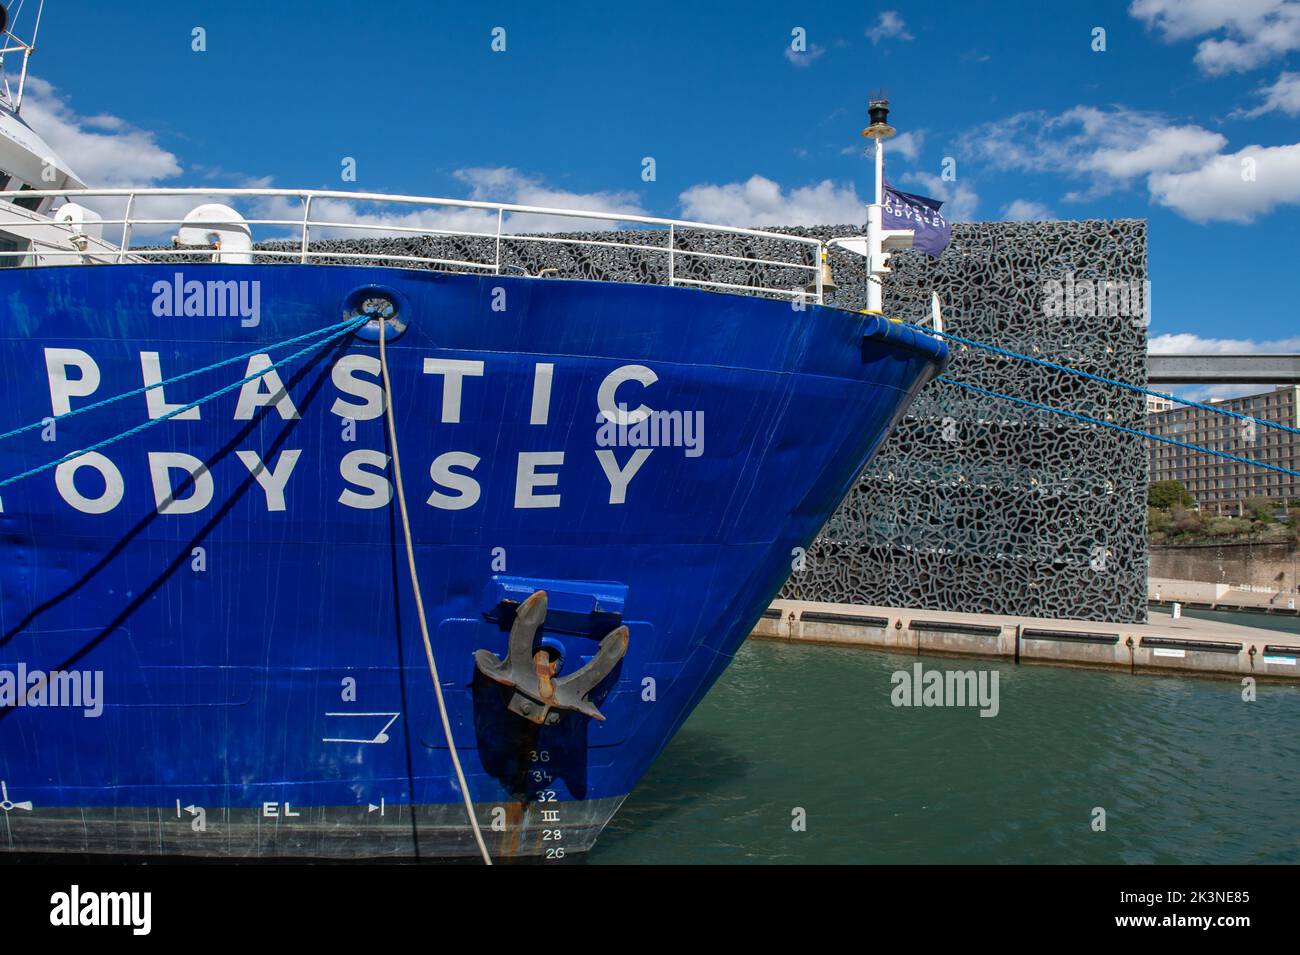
pixel 1164 645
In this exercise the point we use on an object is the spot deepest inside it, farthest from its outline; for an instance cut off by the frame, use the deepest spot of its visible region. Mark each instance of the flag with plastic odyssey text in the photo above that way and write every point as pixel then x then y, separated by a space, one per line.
pixel 904 210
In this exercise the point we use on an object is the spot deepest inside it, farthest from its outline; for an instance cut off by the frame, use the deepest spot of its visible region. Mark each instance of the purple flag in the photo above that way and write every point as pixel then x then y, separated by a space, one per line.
pixel 903 210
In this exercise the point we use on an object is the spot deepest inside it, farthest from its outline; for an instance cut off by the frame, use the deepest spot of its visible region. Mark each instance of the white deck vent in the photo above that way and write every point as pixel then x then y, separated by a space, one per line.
pixel 220 228
pixel 85 224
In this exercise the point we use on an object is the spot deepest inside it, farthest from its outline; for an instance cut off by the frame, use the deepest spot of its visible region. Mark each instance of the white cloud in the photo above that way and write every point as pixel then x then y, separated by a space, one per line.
pixel 1221 189
pixel 375 219
pixel 504 184
pixel 384 219
pixel 1249 33
pixel 959 200
pixel 1154 149
pixel 109 152
pixel 1026 210
pixel 761 202
pixel 1208 393
pixel 1183 167
pixel 105 151
pixel 1184 19
pixel 1282 96
pixel 494 184
pixel 1110 148
pixel 908 145
pixel 889 25
pixel 1185 343
pixel 804 57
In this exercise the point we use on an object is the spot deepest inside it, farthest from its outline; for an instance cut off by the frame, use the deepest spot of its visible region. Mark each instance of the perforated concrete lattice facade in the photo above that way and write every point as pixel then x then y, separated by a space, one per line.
pixel 973 504
pixel 979 505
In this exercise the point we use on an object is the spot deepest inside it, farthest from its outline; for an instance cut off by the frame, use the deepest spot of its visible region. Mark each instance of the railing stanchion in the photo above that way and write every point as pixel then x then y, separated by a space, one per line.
pixel 126 228
pixel 820 254
pixel 306 227
pixel 672 247
pixel 500 216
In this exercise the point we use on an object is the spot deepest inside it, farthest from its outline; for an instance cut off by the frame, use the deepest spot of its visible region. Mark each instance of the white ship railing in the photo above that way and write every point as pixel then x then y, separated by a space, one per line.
pixel 805 252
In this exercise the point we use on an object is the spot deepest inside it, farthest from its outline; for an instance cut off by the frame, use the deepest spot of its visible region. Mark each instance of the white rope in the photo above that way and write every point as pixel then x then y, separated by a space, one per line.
pixel 419 601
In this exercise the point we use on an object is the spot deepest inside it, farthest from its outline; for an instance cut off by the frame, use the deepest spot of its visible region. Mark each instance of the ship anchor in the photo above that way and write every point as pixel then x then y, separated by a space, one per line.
pixel 539 695
pixel 6 803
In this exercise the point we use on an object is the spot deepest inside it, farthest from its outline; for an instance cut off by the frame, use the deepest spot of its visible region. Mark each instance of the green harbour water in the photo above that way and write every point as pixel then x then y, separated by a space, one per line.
pixel 1186 771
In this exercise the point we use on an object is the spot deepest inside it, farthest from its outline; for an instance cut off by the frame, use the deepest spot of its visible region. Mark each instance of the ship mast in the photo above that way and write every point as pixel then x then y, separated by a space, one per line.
pixel 878 131
pixel 11 43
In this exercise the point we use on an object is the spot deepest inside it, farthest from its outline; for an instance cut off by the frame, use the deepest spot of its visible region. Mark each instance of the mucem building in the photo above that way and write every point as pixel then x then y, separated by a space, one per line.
pixel 982 505
pixel 975 503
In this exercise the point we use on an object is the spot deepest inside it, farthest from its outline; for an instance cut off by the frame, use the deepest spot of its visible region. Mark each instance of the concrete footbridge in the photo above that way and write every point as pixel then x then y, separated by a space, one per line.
pixel 1250 369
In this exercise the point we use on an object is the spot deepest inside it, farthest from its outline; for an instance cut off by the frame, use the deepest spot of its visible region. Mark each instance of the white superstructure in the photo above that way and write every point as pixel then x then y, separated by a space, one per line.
pixel 29 165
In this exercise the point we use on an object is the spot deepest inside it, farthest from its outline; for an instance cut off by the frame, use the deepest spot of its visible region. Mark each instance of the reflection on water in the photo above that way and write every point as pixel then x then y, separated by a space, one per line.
pixel 1185 770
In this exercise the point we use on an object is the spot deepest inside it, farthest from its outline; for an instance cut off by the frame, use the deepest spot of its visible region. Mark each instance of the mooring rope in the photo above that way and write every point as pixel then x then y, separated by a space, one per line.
pixel 1116 427
pixel 349 326
pixel 338 331
pixel 419 600
pixel 1066 369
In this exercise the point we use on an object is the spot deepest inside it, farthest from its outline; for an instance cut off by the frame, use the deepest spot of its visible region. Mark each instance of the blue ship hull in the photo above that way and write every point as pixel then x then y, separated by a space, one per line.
pixel 264 686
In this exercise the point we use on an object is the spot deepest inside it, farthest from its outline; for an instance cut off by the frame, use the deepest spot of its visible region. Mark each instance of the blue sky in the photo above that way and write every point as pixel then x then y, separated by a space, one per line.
pixel 1040 125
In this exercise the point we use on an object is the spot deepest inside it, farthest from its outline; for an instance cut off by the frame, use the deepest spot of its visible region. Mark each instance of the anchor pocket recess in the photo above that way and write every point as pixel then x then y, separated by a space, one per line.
pixel 561 660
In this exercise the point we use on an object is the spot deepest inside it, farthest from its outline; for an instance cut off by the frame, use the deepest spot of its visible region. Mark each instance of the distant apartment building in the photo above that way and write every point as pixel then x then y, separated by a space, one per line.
pixel 1220 485
pixel 1155 403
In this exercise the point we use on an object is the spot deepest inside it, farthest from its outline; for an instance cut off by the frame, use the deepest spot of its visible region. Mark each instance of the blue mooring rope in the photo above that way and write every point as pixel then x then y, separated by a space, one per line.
pixel 1117 427
pixel 1100 378
pixel 348 326
pixel 169 381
